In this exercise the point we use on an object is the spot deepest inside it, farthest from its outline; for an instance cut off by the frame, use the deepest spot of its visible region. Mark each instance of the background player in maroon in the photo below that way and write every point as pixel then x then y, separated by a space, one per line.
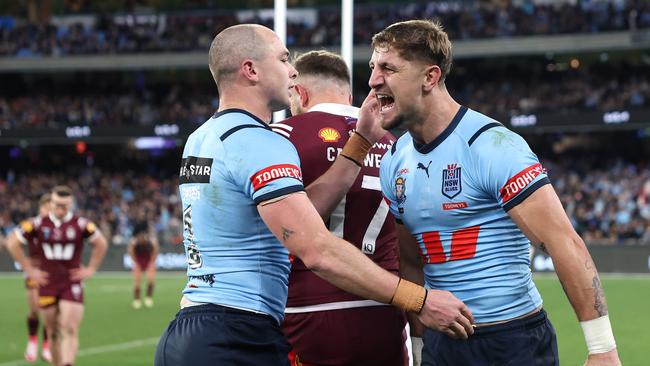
pixel 60 238
pixel 143 249
pixel 324 324
pixel 31 351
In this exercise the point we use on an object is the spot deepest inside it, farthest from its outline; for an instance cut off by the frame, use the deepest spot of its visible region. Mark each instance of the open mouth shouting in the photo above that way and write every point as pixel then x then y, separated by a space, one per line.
pixel 386 102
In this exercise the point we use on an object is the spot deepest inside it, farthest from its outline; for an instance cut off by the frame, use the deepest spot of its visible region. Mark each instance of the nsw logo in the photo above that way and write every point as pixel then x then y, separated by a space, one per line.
pixel 451 181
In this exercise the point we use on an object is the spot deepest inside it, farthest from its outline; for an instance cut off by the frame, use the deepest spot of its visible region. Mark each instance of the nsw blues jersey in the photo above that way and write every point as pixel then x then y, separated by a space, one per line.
pixel 230 164
pixel 453 195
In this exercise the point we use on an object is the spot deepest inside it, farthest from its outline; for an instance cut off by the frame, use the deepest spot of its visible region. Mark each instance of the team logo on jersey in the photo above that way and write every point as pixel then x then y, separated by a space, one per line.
pixel 451 181
pixel 425 168
pixel 46 233
pixel 70 233
pixel 195 170
pixel 328 134
pixel 56 235
pixel 400 193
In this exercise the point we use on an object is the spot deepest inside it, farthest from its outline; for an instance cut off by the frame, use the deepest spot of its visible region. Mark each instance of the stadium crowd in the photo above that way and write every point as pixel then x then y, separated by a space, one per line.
pixel 606 202
pixel 179 32
pixel 497 94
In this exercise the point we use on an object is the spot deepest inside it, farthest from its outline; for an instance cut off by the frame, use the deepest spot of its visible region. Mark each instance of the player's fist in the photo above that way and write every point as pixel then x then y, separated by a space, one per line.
pixel 368 123
pixel 445 313
pixel 604 359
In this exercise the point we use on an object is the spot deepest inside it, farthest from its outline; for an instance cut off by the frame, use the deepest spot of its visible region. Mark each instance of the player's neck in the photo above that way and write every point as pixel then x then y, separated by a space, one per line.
pixel 439 113
pixel 251 105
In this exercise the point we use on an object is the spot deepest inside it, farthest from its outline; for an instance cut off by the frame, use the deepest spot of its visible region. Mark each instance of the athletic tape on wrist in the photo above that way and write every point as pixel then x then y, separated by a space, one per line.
pixel 356 148
pixel 409 296
pixel 598 335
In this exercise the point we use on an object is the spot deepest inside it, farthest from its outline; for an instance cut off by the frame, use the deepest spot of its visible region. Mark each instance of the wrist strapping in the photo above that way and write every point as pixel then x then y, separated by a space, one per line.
pixel 356 148
pixel 598 335
pixel 409 296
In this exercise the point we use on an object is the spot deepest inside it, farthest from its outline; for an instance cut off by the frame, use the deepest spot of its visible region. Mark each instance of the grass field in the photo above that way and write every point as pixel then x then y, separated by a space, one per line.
pixel 114 334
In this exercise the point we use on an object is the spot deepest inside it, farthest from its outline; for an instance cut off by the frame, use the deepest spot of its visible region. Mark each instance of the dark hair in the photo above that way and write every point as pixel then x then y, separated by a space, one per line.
pixel 62 191
pixel 422 40
pixel 323 63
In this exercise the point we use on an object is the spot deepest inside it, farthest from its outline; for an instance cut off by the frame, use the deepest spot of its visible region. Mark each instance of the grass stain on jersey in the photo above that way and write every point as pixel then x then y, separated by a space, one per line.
pixel 211 193
pixel 498 137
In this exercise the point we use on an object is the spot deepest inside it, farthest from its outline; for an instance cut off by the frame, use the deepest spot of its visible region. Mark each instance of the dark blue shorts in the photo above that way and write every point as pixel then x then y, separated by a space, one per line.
pixel 216 335
pixel 529 341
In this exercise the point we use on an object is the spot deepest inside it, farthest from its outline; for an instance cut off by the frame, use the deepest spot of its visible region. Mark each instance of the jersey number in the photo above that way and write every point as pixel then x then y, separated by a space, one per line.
pixel 194 259
pixel 368 244
pixel 463 245
pixel 58 251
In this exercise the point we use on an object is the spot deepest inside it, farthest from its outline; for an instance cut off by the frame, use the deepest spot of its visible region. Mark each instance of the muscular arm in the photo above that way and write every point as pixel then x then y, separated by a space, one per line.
pixel 410 266
pixel 16 251
pixel 99 250
pixel 326 192
pixel 542 218
pixel 295 222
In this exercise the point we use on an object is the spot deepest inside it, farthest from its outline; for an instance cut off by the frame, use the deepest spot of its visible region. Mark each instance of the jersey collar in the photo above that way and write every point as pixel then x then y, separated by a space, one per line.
pixel 58 222
pixel 335 108
pixel 242 111
pixel 427 148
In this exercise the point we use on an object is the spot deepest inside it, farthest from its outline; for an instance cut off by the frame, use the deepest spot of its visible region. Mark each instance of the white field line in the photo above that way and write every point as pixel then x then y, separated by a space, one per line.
pixel 98 350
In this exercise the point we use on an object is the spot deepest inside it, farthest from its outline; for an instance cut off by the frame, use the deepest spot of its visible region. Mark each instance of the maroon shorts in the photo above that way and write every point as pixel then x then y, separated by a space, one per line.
pixel 143 261
pixel 55 291
pixel 368 336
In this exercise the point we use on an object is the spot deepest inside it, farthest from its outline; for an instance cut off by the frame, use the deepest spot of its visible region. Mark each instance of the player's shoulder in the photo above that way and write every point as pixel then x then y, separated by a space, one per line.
pixel 317 124
pixel 84 223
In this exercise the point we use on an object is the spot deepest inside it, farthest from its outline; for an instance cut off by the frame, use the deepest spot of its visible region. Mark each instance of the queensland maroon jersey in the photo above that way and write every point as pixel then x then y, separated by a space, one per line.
pixel 362 216
pixel 56 244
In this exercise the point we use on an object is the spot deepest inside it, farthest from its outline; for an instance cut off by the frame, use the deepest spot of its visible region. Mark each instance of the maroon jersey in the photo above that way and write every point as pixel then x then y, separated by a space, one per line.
pixel 56 244
pixel 362 216
pixel 142 249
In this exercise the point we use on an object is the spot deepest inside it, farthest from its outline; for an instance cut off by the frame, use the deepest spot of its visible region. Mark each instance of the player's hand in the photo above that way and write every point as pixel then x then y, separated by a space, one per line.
pixel 445 313
pixel 39 277
pixel 81 273
pixel 604 359
pixel 368 124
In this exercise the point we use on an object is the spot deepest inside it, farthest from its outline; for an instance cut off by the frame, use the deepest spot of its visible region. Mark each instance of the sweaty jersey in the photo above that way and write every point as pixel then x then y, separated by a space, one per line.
pixel 231 164
pixel 453 195
pixel 362 215
pixel 56 245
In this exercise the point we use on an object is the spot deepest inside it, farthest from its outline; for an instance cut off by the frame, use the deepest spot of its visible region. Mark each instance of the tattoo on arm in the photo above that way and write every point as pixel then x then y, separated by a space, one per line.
pixel 599 297
pixel 286 234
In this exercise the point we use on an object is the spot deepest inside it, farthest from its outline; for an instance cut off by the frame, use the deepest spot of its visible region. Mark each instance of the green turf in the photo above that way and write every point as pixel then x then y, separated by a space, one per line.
pixel 114 334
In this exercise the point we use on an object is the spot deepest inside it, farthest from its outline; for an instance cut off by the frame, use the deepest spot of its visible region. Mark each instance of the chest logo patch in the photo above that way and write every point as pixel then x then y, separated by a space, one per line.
pixel 328 134
pixel 451 181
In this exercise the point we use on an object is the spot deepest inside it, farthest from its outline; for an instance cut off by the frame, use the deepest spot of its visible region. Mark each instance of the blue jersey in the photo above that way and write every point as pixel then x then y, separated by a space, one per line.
pixel 453 195
pixel 231 164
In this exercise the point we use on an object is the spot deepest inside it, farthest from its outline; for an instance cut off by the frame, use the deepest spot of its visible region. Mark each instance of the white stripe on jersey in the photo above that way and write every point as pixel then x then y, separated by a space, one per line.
pixel 282 125
pixel 370 182
pixel 280 132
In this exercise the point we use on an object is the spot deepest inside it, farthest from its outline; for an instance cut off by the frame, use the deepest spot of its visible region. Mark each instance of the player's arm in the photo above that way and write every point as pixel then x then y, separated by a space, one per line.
pixel 295 222
pixel 100 246
pixel 410 267
pixel 15 249
pixel 326 192
pixel 542 218
pixel 156 247
pixel 130 248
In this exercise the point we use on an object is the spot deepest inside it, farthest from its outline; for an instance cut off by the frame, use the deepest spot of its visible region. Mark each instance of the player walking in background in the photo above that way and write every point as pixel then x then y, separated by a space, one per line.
pixel 31 352
pixel 244 211
pixel 59 238
pixel 474 196
pixel 143 249
pixel 324 324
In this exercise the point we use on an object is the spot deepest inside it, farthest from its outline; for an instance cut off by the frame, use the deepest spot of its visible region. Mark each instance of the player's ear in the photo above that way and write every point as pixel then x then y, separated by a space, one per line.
pixel 304 95
pixel 432 74
pixel 249 70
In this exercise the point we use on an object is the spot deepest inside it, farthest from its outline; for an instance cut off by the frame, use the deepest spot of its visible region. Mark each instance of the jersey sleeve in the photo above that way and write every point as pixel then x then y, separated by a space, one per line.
pixel 507 168
pixel 389 182
pixel 88 228
pixel 264 164
pixel 25 231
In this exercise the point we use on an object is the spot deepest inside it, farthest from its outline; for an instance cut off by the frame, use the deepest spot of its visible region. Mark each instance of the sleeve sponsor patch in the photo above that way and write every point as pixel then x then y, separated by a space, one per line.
pixel 91 228
pixel 269 174
pixel 520 181
pixel 195 170
pixel 26 226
